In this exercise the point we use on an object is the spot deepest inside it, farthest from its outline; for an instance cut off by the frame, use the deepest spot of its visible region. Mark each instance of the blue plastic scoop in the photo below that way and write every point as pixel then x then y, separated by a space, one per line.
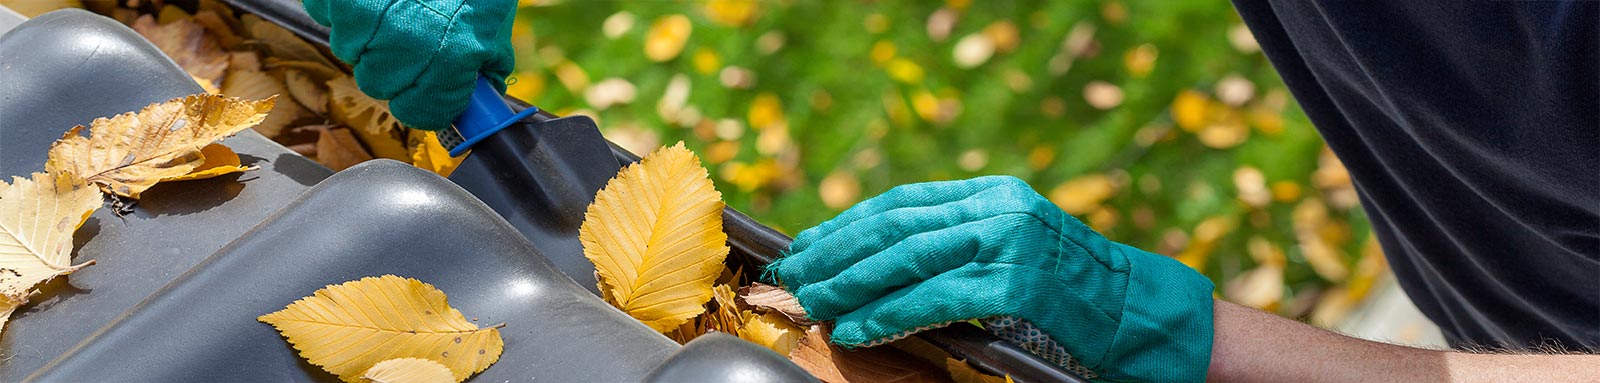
pixel 486 114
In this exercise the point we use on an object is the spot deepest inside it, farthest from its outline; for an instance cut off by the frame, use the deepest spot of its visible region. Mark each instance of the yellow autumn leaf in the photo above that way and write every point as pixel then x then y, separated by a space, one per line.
pixel 1004 34
pixel 1041 156
pixel 905 71
pixel 527 86
pixel 218 160
pixel 131 152
pixel 655 237
pixel 37 218
pixel 391 144
pixel 1224 134
pixel 572 77
pixel 319 71
pixel 170 14
pixel 427 153
pixel 206 85
pixel 882 52
pixel 666 37
pixel 307 92
pixel 218 23
pixel 34 8
pixel 282 42
pixel 770 330
pixel 255 85
pixel 732 13
pixel 408 370
pixel 1190 110
pixel 765 111
pixel 839 190
pixel 187 43
pixel 706 61
pixel 1084 194
pixel 725 317
pixel 961 372
pixel 352 107
pixel 1260 288
pixel 344 329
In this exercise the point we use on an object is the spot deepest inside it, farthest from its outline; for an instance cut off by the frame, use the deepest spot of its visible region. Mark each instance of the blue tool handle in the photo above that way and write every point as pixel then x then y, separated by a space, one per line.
pixel 486 114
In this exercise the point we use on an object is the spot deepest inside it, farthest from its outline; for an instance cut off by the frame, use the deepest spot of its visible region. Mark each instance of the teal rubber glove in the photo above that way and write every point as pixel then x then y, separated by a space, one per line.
pixel 421 55
pixel 926 255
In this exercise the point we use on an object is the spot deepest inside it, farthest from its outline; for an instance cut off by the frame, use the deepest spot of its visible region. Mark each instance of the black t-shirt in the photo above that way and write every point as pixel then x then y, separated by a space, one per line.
pixel 1470 129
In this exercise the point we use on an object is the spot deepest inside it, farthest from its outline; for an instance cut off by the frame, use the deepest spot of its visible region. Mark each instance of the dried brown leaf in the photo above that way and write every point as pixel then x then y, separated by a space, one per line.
pixel 961 372
pixel 773 298
pixel 187 43
pixel 222 28
pixel 834 364
pixel 219 160
pixel 282 43
pixel 352 107
pixel 306 91
pixel 252 84
pixel 131 152
pixel 338 149
pixel 318 71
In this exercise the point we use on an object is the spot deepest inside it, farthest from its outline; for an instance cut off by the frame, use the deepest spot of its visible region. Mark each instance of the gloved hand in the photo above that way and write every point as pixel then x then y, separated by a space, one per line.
pixel 422 55
pixel 926 255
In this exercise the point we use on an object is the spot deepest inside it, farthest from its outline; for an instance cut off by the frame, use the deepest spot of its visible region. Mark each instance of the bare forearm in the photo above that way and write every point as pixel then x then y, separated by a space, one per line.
pixel 1253 346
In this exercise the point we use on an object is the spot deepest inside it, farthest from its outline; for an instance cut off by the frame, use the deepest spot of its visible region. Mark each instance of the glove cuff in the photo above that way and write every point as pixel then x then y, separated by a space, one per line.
pixel 1166 329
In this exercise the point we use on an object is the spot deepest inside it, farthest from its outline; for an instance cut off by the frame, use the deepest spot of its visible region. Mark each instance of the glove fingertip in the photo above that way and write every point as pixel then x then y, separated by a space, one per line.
pixel 318 10
pixel 856 333
pixel 437 98
pixel 422 114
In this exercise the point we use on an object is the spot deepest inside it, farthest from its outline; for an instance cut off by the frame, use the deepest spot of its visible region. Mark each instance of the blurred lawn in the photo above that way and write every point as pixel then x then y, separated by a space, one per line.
pixel 1157 122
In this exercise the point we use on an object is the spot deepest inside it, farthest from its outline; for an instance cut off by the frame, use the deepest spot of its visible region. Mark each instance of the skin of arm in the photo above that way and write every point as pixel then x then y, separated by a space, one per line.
pixel 1254 346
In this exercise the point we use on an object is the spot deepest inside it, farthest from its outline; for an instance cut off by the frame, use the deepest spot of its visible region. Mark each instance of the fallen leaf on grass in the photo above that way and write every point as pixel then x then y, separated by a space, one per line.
pixel 219 160
pixel 342 329
pixel 666 37
pixel 408 370
pixel 131 152
pixel 38 216
pixel 338 149
pixel 655 236
pixel 834 364
pixel 1082 195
